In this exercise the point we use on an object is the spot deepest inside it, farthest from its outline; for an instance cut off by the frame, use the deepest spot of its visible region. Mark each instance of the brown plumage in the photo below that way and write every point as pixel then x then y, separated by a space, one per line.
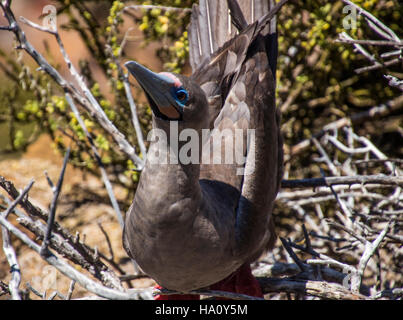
pixel 190 226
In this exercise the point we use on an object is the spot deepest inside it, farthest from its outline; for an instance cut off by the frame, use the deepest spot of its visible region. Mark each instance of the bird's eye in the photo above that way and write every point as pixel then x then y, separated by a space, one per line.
pixel 182 95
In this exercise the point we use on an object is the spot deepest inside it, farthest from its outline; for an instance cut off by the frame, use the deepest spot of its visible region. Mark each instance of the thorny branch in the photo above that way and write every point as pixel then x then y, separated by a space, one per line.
pixel 56 192
pixel 9 250
pixel 61 240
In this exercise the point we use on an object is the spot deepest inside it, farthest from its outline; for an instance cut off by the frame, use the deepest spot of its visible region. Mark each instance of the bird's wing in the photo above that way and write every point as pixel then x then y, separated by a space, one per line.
pixel 214 23
pixel 218 70
pixel 225 86
pixel 239 81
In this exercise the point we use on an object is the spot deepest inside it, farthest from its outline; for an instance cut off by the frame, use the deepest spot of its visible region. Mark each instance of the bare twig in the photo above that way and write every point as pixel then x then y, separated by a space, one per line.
pixel 7 28
pixel 130 277
pixel 325 157
pixel 18 199
pixel 56 294
pixel 4 288
pixel 135 120
pixel 292 254
pixel 71 289
pixel 373 42
pixel 348 230
pixel 53 205
pixel 370 248
pixel 73 274
pixel 390 39
pixel 394 82
pixel 108 241
pixel 64 243
pixel 35 292
pixel 378 66
pixel 344 180
pixel 389 293
pixel 133 109
pixel 398 161
pixel 8 248
pixel 14 266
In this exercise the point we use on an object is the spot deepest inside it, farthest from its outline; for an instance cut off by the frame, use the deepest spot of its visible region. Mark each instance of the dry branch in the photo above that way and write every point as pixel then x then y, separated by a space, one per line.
pixel 62 241
pixel 87 101
pixel 320 289
pixel 378 111
pixel 345 180
pixel 72 273
pixel 370 248
pixel 14 266
pixel 56 192
pixel 9 250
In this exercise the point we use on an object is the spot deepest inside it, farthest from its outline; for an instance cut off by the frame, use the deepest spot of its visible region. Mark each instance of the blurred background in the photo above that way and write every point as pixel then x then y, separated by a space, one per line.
pixel 317 84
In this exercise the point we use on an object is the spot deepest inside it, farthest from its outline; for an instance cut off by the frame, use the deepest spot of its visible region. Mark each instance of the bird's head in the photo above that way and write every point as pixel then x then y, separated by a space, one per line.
pixel 172 97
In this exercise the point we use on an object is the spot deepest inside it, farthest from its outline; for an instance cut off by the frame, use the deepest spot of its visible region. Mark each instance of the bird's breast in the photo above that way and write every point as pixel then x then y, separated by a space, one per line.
pixel 176 242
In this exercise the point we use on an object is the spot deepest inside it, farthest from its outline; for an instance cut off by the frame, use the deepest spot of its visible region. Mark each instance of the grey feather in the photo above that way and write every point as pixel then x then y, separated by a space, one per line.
pixel 205 29
pixel 237 17
pixel 209 29
pixel 195 51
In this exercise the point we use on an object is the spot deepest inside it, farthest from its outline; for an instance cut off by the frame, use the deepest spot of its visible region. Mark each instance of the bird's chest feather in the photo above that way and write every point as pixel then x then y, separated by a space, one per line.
pixel 176 223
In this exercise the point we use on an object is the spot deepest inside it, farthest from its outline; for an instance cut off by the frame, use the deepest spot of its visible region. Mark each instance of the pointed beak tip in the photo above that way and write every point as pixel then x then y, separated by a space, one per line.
pixel 156 86
pixel 129 65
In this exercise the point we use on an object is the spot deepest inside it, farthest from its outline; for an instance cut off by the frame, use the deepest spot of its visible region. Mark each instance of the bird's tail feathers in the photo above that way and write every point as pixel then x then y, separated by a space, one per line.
pixel 209 29
pixel 214 22
pixel 237 16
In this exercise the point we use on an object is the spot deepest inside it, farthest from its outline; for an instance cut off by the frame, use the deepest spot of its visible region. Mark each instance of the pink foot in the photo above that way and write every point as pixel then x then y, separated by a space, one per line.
pixel 241 281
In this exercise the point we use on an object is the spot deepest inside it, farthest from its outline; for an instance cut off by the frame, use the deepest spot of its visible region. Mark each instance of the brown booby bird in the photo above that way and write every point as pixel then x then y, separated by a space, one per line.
pixel 198 222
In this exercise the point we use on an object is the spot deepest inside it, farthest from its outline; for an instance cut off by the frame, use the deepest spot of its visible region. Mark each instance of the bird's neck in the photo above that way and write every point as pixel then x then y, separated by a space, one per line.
pixel 174 173
pixel 164 160
pixel 176 148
